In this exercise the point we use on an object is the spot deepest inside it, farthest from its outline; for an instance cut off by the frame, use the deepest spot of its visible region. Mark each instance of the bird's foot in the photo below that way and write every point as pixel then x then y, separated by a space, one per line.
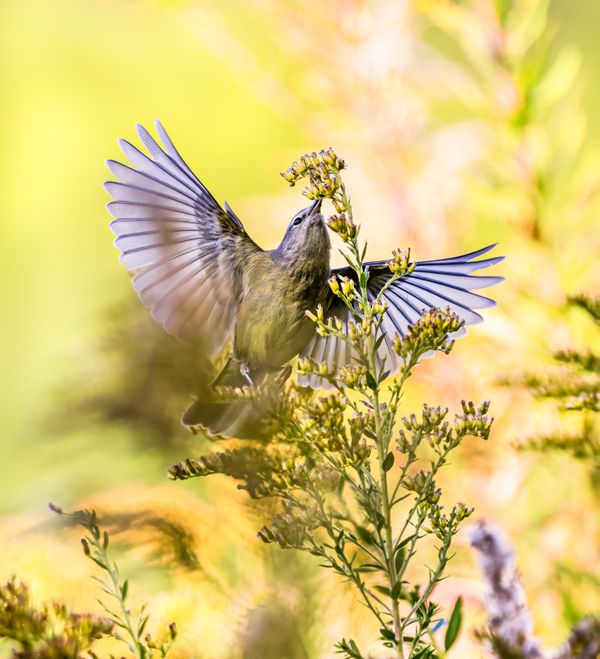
pixel 245 372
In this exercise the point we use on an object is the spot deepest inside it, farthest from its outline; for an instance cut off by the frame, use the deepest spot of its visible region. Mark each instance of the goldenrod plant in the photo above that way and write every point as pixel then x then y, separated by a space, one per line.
pixel 355 488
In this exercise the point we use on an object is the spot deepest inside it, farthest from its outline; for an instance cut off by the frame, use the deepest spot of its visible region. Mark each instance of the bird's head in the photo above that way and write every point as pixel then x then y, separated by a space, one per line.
pixel 306 234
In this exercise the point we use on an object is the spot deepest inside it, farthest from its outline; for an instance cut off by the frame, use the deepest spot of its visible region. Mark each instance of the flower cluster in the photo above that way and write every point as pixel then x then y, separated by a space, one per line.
pixel 261 473
pixel 291 529
pixel 430 333
pixel 445 526
pixel 423 485
pixel 325 160
pixel 49 630
pixel 343 226
pixel 400 263
pixel 473 421
pixel 324 182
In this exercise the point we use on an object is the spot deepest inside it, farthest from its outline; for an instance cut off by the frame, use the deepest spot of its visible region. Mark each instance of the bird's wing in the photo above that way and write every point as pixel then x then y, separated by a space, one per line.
pixel 432 284
pixel 188 253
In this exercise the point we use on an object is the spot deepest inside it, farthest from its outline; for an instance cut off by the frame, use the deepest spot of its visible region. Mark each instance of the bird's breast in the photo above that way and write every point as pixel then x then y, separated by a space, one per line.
pixel 272 326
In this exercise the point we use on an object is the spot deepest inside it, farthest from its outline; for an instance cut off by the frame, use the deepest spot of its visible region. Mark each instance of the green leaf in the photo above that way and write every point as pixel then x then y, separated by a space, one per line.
pixel 454 625
pixel 384 376
pixel 365 535
pixel 396 590
pixel 388 463
pixel 349 648
pixel 142 624
pixel 105 542
pixel 124 589
pixel 369 567
pixel 384 590
pixel 371 383
pixel 399 558
pixel 388 634
pixel 405 542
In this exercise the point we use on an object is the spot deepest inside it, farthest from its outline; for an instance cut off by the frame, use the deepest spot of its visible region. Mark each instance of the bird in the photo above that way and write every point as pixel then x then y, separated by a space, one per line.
pixel 203 278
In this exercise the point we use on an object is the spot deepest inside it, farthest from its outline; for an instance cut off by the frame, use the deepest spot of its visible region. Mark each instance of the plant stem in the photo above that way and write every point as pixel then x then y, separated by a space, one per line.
pixel 140 651
pixel 389 542
pixel 382 448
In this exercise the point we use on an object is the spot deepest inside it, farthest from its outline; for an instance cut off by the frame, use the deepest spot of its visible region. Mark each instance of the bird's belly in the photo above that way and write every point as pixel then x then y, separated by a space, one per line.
pixel 271 329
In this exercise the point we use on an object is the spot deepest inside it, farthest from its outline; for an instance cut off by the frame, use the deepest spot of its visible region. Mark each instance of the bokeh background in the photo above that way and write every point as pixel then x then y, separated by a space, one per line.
pixel 463 123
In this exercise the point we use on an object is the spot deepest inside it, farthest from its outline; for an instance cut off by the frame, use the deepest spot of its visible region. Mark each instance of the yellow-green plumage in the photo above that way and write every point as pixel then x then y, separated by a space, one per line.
pixel 278 288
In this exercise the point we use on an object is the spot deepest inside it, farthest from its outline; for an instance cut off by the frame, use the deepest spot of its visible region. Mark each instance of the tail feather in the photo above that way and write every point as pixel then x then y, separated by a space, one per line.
pixel 234 417
pixel 221 418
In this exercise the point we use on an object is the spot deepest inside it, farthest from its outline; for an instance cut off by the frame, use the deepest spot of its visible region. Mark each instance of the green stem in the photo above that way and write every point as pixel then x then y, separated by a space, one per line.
pixel 382 447
pixel 115 586
pixel 140 651
pixel 385 500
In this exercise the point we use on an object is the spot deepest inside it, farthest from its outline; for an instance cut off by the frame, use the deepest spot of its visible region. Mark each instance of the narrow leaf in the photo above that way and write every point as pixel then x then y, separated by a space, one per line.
pixel 454 625
pixel 388 463
pixel 384 590
pixel 399 559
pixel 124 589
pixel 388 634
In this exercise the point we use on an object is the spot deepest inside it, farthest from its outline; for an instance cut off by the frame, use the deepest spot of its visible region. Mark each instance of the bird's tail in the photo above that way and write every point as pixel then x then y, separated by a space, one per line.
pixel 220 418
pixel 236 415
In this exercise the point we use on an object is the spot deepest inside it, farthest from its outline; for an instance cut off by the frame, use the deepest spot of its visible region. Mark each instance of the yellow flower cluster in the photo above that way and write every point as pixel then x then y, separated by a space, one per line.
pixel 342 225
pixel 324 161
pixel 400 263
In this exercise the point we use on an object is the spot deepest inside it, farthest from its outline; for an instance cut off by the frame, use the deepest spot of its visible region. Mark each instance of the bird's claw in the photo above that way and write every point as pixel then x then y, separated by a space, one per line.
pixel 245 372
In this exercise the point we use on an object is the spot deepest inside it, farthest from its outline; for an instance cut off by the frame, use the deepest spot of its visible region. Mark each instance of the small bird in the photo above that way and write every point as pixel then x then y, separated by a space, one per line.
pixel 204 278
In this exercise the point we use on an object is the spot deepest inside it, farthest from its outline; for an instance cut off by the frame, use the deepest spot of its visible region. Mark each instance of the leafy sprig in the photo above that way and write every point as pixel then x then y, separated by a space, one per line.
pixel 126 626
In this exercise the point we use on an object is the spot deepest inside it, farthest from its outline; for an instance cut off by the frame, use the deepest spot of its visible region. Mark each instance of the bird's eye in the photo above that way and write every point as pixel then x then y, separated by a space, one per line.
pixel 297 221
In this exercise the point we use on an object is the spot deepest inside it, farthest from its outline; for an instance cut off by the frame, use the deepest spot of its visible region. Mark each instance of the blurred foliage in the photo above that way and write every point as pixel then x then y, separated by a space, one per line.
pixel 46 632
pixel 509 631
pixel 526 94
pixel 170 542
pixel 575 386
pixel 139 380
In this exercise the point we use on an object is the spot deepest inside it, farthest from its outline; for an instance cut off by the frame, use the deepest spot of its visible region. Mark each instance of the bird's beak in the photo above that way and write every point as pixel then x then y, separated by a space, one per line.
pixel 315 207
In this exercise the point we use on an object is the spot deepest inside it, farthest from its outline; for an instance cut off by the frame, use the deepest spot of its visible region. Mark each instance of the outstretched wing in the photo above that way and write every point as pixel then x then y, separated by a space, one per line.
pixel 188 253
pixel 442 283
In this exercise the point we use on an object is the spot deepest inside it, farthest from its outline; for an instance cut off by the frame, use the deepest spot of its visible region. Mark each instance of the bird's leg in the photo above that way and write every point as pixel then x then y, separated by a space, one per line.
pixel 245 372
